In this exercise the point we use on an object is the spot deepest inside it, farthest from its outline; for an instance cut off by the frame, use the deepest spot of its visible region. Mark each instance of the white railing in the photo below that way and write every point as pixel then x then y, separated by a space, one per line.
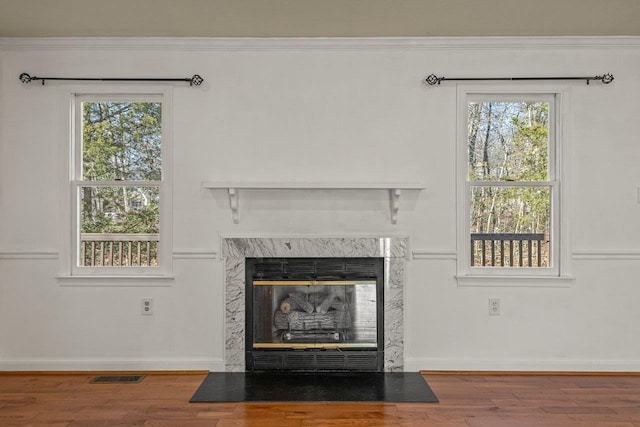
pixel 509 250
pixel 118 250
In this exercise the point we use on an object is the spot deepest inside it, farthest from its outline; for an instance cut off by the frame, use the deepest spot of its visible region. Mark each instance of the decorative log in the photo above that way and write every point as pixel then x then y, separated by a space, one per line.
pixel 338 305
pixel 323 307
pixel 299 302
pixel 285 305
pixel 297 320
pixel 281 320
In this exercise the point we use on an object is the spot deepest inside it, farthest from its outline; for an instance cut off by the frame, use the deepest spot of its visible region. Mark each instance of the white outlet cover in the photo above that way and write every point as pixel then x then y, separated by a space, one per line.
pixel 494 306
pixel 146 307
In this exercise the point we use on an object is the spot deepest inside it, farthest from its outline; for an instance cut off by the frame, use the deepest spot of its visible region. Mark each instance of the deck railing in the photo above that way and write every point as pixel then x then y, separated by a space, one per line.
pixel 118 250
pixel 487 250
pixel 509 250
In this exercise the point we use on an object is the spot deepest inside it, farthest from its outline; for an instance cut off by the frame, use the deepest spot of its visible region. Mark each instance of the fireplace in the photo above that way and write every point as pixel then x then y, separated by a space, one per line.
pixel 314 314
pixel 391 251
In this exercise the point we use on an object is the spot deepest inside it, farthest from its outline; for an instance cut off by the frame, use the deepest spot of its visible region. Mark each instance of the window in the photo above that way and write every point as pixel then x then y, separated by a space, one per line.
pixel 119 185
pixel 509 185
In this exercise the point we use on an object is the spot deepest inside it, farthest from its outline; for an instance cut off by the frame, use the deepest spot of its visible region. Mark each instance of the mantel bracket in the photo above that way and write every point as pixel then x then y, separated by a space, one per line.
pixel 395 204
pixel 234 203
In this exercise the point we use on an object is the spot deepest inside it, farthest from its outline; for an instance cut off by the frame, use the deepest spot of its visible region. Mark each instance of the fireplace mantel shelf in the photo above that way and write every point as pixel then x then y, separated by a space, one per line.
pixel 394 189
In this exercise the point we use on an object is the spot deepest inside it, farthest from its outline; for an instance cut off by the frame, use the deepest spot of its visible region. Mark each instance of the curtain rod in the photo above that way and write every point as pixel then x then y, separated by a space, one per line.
pixel 432 79
pixel 195 80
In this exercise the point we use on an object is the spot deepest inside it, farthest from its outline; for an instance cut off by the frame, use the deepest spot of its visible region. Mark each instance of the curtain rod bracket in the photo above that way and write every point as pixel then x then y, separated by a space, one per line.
pixel 432 79
pixel 195 80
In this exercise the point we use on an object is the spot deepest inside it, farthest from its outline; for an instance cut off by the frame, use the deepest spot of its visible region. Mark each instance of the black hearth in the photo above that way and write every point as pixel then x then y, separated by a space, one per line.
pixel 314 314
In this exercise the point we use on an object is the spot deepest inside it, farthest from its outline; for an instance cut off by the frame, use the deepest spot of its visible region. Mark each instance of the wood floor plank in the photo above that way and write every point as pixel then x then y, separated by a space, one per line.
pixel 465 401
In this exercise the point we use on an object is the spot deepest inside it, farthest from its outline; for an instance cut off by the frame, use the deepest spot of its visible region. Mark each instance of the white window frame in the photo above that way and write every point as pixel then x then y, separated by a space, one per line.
pixel 560 270
pixel 73 183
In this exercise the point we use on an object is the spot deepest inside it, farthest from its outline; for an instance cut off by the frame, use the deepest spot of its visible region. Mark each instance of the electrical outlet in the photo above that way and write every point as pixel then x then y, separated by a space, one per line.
pixel 494 306
pixel 147 306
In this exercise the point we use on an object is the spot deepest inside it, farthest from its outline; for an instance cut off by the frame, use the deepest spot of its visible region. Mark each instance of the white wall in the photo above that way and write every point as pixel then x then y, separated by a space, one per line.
pixel 333 111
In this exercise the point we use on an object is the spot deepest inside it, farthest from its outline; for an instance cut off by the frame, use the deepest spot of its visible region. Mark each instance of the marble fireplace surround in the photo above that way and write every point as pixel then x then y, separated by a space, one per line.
pixel 394 250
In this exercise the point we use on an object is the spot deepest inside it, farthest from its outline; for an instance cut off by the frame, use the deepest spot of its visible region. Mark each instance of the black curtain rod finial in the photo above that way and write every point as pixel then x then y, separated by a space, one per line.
pixel 432 79
pixel 606 79
pixel 196 80
pixel 25 78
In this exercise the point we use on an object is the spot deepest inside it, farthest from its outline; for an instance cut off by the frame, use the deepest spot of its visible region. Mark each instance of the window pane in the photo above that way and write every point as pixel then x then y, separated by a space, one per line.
pixel 508 141
pixel 119 226
pixel 510 226
pixel 121 141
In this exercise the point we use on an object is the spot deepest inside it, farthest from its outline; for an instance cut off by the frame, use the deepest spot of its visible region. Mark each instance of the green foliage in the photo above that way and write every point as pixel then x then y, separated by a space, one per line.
pixel 121 141
pixel 509 141
pixel 120 210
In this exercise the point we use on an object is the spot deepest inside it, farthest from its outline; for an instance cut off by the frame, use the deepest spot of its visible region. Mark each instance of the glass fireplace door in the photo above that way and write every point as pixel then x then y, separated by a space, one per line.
pixel 314 314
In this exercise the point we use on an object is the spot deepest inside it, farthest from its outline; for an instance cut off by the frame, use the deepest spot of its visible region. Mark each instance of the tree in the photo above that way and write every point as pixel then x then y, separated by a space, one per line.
pixel 509 142
pixel 121 141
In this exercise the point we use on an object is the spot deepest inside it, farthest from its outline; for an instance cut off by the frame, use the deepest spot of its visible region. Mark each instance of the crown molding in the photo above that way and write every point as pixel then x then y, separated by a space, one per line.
pixel 314 43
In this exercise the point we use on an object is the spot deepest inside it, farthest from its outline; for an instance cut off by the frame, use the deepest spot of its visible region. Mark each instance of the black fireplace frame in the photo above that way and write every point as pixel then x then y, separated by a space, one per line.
pixel 363 359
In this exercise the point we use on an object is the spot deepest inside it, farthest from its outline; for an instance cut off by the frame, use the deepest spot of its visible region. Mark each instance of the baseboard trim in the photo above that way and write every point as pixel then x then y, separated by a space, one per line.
pixel 521 365
pixel 534 373
pixel 93 373
pixel 111 366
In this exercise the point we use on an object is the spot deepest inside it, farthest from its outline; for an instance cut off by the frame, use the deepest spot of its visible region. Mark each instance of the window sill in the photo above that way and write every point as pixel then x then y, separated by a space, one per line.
pixel 515 281
pixel 116 281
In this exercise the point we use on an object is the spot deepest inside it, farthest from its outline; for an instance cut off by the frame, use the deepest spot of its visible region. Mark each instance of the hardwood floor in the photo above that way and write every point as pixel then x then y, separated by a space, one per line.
pixel 465 401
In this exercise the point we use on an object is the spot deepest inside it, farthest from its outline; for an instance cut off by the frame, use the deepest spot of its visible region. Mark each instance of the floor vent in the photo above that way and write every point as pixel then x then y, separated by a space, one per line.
pixel 117 379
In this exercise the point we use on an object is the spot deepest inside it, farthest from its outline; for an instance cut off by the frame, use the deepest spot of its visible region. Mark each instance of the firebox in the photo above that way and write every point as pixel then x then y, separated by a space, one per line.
pixel 314 314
